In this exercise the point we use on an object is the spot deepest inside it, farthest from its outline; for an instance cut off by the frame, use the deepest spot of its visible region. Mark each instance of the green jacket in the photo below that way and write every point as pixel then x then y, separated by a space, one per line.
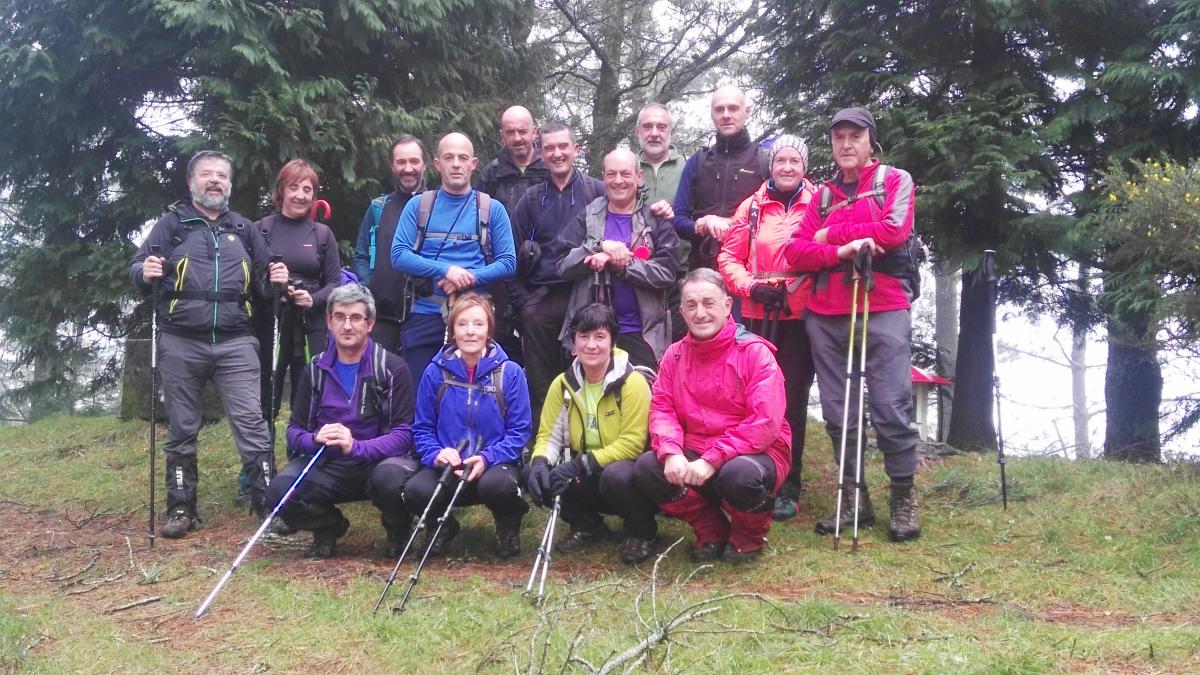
pixel 623 428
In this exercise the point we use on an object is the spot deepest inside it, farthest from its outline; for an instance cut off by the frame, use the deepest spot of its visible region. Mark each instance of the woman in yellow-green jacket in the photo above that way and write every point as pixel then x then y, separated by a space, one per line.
pixel 593 427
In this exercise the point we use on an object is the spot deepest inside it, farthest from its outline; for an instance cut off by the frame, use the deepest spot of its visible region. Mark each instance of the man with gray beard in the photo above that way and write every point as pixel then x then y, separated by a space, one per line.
pixel 209 261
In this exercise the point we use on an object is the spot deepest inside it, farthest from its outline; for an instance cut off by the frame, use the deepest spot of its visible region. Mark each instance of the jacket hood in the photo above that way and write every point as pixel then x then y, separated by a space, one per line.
pixel 619 368
pixel 449 359
pixel 505 166
pixel 730 334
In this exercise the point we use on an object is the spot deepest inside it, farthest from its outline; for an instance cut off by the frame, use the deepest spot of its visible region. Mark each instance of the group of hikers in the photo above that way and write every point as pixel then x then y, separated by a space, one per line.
pixel 547 332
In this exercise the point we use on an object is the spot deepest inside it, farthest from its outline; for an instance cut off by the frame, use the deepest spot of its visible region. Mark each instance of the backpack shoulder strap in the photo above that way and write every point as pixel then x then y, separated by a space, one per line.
pixel 498 387
pixel 424 210
pixel 878 190
pixel 589 189
pixel 316 380
pixel 755 217
pixel 826 201
pixel 483 204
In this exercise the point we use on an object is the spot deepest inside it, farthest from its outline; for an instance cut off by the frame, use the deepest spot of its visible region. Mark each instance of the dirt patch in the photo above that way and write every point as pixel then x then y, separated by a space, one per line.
pixel 98 563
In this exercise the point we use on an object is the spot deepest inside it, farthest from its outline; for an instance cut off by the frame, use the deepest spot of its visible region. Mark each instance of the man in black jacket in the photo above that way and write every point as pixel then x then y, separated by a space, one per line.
pixel 372 261
pixel 208 260
pixel 716 180
pixel 518 167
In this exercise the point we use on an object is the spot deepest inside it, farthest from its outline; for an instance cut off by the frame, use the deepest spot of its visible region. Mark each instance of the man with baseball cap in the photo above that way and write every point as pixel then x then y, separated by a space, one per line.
pixel 866 205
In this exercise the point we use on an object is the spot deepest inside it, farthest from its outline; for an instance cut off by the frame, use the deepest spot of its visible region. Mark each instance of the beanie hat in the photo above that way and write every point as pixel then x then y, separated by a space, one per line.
pixel 790 141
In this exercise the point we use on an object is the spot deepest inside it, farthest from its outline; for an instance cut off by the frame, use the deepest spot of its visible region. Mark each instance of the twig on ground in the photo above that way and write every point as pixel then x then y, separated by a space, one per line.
pixel 135 603
pixel 86 568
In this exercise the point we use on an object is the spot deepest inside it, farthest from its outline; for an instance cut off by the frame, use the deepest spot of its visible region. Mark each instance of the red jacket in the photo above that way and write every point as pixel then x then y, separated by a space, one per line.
pixel 889 226
pixel 722 398
pixel 776 224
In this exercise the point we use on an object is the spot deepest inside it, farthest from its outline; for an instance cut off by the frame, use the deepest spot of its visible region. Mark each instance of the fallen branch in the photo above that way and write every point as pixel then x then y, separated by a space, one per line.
pixel 86 568
pixel 135 603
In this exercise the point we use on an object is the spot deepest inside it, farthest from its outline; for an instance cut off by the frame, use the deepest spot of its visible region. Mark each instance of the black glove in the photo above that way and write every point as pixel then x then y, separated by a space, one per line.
pixel 770 296
pixel 539 480
pixel 568 473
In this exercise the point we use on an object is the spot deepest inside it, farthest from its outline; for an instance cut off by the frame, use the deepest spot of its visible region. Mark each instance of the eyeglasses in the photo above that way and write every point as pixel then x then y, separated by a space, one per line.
pixel 354 319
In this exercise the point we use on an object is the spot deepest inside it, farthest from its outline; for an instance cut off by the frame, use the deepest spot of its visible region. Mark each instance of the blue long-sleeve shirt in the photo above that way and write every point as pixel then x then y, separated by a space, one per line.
pixel 458 216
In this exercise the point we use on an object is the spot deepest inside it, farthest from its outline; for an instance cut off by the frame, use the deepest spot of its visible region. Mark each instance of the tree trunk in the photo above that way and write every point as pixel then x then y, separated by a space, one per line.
pixel 947 277
pixel 1079 402
pixel 971 425
pixel 1132 389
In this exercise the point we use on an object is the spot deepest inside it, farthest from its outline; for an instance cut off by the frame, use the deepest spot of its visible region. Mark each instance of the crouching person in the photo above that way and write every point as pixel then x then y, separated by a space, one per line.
pixel 593 427
pixel 472 393
pixel 357 401
pixel 722 447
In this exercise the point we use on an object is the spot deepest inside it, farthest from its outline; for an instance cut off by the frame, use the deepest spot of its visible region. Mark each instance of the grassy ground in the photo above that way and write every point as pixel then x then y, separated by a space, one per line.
pixel 1095 567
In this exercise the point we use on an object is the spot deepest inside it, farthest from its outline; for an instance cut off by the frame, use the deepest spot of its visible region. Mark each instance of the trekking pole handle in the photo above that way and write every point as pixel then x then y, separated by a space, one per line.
pixel 862 267
pixel 451 468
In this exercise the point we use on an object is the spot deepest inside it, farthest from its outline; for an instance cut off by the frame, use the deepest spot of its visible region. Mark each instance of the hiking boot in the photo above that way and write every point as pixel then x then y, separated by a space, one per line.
pixel 508 537
pixel 707 553
pixel 904 524
pixel 396 539
pixel 785 508
pixel 450 530
pixel 866 513
pixel 324 541
pixel 635 550
pixel 732 555
pixel 179 523
pixel 578 540
pixel 242 498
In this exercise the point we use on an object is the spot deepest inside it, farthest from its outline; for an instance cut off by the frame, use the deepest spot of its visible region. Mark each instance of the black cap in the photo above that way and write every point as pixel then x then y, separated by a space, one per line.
pixel 859 117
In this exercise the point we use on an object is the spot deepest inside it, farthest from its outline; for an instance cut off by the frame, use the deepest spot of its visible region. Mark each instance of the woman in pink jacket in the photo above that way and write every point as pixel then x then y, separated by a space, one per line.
pixel 773 295
pixel 722 447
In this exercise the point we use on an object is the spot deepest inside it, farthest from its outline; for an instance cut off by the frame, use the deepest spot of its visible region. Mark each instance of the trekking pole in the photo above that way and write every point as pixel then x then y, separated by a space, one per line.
pixel 862 268
pixel 416 575
pixel 837 512
pixel 276 351
pixel 437 489
pixel 261 529
pixel 988 265
pixel 155 298
pixel 542 559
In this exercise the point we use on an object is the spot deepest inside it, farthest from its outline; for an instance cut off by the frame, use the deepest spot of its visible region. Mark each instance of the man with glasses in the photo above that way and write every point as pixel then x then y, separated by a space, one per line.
pixel 356 400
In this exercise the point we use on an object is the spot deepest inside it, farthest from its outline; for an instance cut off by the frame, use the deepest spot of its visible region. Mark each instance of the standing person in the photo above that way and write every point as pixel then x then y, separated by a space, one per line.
pixel 716 180
pixel 464 243
pixel 471 392
pixel 210 260
pixel 310 251
pixel 752 262
pixel 618 248
pixel 515 169
pixel 662 168
pixel 592 429
pixel 519 166
pixel 865 205
pixel 721 443
pixel 372 262
pixel 538 292
pixel 357 400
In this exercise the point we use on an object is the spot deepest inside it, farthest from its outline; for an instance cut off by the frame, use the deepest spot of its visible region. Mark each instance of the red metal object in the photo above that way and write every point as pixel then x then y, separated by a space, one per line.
pixel 317 206
pixel 919 375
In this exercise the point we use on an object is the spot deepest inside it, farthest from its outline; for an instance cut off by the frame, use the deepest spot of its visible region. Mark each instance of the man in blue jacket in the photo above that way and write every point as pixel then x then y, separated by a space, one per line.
pixel 372 262
pixel 357 401
pixel 450 240
pixel 538 292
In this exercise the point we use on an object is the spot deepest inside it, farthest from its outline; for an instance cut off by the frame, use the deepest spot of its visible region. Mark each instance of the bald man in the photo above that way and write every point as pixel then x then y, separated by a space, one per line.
pixel 519 165
pixel 621 254
pixel 717 179
pixel 448 253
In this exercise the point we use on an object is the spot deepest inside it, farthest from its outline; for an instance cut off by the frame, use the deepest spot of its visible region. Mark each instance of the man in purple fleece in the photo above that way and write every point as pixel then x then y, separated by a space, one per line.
pixel 357 400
